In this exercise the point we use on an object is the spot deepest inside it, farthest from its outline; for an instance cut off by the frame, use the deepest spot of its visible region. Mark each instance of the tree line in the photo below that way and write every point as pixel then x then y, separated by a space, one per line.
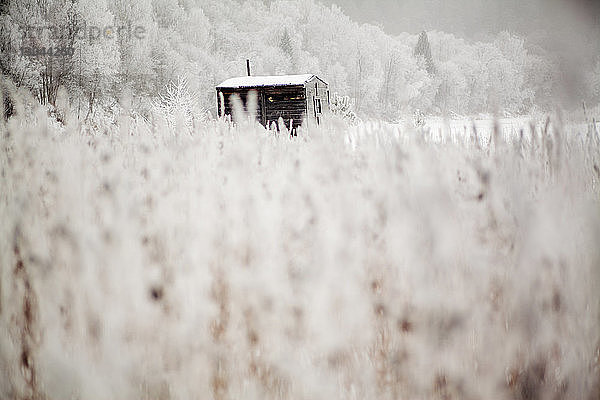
pixel 88 48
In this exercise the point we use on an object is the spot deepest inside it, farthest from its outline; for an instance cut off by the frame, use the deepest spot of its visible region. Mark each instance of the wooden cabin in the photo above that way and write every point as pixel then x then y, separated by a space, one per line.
pixel 294 98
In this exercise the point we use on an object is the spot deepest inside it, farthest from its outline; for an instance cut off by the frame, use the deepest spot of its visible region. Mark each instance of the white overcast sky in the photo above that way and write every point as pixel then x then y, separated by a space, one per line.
pixel 474 18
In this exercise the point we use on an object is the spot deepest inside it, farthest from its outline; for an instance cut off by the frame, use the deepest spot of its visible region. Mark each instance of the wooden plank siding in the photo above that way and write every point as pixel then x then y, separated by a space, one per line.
pixel 243 94
pixel 287 102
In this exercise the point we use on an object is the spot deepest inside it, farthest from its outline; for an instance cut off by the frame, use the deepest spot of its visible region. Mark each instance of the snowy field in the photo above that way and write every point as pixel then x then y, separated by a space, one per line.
pixel 142 261
pixel 480 129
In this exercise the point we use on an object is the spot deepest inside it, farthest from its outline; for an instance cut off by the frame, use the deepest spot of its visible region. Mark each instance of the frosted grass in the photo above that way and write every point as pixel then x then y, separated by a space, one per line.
pixel 366 262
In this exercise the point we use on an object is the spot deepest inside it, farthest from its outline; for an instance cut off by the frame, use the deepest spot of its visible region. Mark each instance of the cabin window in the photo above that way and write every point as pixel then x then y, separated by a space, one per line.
pixel 284 97
pixel 318 104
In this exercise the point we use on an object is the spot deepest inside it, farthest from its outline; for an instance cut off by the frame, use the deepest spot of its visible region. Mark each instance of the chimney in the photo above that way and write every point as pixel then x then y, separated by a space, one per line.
pixel 248 66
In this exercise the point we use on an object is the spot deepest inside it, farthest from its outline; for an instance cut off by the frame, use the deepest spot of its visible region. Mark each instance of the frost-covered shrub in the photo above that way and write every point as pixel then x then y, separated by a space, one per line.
pixel 356 262
pixel 418 118
pixel 343 106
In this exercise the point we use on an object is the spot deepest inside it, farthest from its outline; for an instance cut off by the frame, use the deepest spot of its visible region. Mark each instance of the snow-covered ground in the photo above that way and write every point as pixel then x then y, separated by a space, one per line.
pixel 363 262
pixel 510 129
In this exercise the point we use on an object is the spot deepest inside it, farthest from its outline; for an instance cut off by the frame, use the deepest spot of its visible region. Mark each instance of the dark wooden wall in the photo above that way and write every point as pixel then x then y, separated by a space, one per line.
pixel 287 102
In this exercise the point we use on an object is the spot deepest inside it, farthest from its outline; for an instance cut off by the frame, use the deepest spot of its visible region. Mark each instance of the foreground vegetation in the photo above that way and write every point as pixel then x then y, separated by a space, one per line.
pixel 142 259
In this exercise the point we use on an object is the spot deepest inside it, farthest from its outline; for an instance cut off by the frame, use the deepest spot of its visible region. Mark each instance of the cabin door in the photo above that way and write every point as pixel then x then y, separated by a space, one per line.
pixel 318 107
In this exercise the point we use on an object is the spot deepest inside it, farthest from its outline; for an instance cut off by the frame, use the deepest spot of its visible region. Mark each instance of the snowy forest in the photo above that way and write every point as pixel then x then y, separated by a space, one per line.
pixel 431 233
pixel 205 42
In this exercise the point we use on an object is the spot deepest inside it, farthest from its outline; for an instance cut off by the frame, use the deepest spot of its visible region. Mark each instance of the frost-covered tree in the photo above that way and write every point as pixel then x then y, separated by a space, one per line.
pixel 96 61
pixel 343 107
pixel 423 50
pixel 137 56
pixel 37 38
pixel 178 104
pixel 285 43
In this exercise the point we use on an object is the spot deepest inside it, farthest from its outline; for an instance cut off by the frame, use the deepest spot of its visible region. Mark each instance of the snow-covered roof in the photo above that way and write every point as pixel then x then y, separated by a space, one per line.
pixel 258 81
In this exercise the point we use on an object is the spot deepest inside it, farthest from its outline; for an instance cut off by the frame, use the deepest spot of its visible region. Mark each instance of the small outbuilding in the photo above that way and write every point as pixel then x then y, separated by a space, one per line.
pixel 293 98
